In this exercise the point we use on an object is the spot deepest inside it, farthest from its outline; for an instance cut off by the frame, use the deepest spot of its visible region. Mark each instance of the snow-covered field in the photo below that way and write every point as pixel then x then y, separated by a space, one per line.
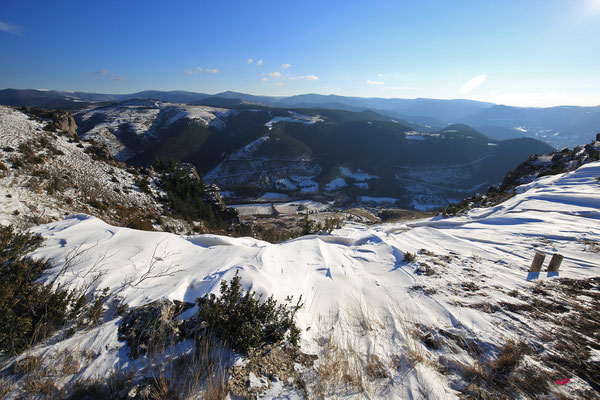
pixel 291 207
pixel 358 175
pixel 358 291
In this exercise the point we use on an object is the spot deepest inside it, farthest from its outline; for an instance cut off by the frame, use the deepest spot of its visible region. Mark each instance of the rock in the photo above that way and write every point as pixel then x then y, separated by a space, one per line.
pixel 64 121
pixel 212 195
pixel 274 361
pixel 101 151
pixel 153 326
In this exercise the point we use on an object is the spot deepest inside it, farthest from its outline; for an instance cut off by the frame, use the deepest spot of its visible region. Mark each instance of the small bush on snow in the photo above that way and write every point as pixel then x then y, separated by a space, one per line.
pixel 243 322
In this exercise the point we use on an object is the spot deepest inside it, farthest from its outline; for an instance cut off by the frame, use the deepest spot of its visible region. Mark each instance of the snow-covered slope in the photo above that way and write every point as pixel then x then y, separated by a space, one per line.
pixel 140 121
pixel 57 175
pixel 358 290
pixel 254 166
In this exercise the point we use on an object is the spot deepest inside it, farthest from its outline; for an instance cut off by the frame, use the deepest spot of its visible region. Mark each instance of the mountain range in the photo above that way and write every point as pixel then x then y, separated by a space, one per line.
pixel 564 126
pixel 251 149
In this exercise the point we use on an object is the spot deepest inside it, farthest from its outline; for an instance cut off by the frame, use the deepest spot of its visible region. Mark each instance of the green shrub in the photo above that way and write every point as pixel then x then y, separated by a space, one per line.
pixel 184 195
pixel 409 257
pixel 30 311
pixel 51 127
pixel 332 223
pixel 243 322
pixel 309 226
pixel 143 184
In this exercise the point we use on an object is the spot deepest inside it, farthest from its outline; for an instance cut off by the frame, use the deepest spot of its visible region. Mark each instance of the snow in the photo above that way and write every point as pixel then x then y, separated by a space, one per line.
pixel 291 207
pixel 306 183
pixel 80 176
pixel 335 184
pixel 296 118
pixel 207 115
pixel 357 175
pixel 356 288
pixel 285 184
pixel 352 277
pixel 253 209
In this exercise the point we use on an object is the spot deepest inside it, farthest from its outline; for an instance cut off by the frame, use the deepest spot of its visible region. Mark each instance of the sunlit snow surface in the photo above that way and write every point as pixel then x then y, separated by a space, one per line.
pixel 296 118
pixel 355 268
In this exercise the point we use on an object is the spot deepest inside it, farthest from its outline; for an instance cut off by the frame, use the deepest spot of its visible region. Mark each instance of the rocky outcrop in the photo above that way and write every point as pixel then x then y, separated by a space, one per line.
pixel 100 151
pixel 212 196
pixel 64 121
pixel 59 119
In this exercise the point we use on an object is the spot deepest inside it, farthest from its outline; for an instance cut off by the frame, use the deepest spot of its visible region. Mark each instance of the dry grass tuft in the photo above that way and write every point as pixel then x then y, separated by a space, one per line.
pixel 337 371
pixel 6 386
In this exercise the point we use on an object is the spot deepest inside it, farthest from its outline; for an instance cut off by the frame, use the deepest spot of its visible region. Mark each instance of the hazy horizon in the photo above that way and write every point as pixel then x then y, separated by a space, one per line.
pixel 534 54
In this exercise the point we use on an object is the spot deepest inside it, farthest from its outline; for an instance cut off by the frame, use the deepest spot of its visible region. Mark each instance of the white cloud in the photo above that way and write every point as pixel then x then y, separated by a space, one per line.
pixel 101 72
pixel 472 84
pixel 264 79
pixel 279 83
pixel 199 70
pixel 284 66
pixel 259 62
pixel 370 82
pixel 304 77
pixel 117 77
pixel 250 61
pixel 11 28
pixel 381 75
pixel 275 74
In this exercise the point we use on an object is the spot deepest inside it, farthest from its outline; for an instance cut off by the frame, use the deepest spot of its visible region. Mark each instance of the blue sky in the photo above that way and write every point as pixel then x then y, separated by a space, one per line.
pixel 529 53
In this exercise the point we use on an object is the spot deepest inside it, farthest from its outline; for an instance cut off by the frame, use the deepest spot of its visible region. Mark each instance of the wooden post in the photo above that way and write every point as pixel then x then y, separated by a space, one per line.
pixel 537 262
pixel 555 263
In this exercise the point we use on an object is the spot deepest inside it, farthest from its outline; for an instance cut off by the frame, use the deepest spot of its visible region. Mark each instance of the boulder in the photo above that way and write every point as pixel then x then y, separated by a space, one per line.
pixel 64 121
